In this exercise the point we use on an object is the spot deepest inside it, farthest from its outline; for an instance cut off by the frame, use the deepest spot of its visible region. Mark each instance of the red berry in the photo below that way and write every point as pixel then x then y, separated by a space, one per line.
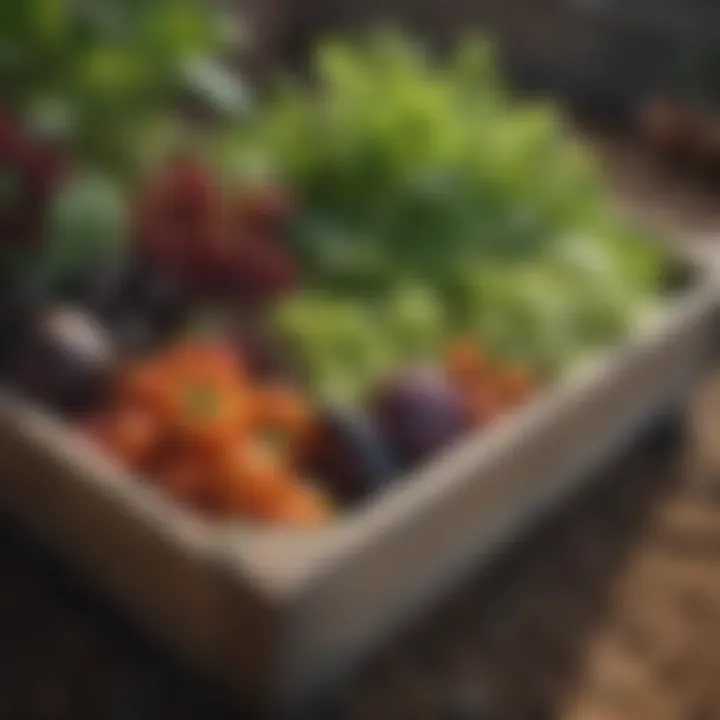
pixel 190 189
pixel 186 225
pixel 261 270
pixel 183 196
pixel 179 217
pixel 264 208
pixel 30 170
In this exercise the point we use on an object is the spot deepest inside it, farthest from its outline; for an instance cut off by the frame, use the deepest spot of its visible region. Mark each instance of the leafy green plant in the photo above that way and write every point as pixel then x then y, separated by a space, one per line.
pixel 412 172
pixel 86 224
pixel 102 73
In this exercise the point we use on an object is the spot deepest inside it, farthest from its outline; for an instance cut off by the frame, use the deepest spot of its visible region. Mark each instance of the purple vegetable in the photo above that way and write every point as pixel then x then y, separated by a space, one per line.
pixel 66 360
pixel 350 454
pixel 418 412
pixel 22 300
pixel 121 291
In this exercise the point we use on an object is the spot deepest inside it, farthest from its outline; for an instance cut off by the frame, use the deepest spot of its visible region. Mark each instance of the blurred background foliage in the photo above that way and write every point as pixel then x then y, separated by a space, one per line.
pixel 99 74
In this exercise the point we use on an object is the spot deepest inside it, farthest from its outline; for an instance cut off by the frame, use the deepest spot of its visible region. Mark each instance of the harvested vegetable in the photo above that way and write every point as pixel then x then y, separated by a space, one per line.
pixel 381 262
pixel 192 419
pixel 428 201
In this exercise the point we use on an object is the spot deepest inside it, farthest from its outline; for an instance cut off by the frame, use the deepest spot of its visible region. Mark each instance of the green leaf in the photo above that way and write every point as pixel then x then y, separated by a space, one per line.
pixel 216 86
pixel 88 222
pixel 405 168
pixel 54 117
